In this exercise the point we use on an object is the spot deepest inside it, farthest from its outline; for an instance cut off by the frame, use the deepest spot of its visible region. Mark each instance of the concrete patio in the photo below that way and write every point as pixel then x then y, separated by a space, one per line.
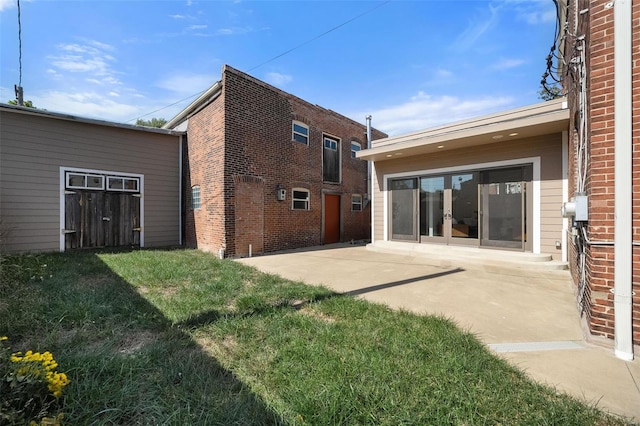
pixel 527 316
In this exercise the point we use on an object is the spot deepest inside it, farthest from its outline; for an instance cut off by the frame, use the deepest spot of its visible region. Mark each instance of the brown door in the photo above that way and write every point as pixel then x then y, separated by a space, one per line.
pixel 331 218
pixel 101 219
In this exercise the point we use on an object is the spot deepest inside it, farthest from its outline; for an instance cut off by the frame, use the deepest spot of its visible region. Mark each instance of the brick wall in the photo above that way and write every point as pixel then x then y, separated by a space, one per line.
pixel 596 24
pixel 252 139
pixel 204 165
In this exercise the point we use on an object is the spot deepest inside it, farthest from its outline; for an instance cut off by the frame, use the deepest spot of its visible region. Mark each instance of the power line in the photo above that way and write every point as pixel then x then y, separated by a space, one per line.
pixel 281 54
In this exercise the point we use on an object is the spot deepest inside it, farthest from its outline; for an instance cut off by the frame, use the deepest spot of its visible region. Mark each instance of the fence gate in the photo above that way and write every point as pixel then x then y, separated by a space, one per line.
pixel 101 211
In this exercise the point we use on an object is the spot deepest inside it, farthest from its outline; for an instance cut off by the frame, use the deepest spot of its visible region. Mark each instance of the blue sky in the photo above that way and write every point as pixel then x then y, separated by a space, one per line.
pixel 410 64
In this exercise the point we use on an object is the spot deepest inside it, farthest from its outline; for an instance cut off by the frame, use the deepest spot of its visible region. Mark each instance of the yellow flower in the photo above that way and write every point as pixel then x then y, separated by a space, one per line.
pixel 2 338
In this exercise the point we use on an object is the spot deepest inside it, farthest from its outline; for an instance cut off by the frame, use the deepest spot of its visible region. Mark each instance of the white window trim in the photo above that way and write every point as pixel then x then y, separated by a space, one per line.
pixel 63 173
pixel 123 189
pixel 353 153
pixel 339 150
pixel 358 203
pixel 334 140
pixel 199 197
pixel 86 175
pixel 307 200
pixel 293 131
pixel 513 162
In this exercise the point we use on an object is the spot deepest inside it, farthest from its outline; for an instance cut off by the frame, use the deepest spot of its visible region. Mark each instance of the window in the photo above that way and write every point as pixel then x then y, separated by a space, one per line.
pixel 195 197
pixel 356 202
pixel 84 181
pixel 300 132
pixel 300 199
pixel 330 144
pixel 125 184
pixel 355 147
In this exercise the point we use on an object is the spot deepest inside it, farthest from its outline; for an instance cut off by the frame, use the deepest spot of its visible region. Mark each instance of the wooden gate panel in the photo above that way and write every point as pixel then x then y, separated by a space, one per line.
pixel 101 219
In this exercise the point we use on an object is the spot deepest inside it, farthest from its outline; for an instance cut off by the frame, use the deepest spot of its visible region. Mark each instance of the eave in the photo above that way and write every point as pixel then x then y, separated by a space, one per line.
pixel 535 120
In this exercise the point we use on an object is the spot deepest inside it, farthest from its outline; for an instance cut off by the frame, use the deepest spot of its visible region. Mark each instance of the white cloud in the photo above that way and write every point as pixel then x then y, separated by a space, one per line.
pixel 186 84
pixel 196 27
pixel 90 59
pixel 278 79
pixel 6 4
pixel 423 111
pixel 234 31
pixel 507 63
pixel 85 104
pixel 477 27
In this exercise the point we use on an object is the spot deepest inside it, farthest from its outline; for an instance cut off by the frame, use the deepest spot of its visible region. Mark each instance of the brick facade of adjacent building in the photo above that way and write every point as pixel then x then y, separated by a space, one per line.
pixel 240 152
pixel 594 20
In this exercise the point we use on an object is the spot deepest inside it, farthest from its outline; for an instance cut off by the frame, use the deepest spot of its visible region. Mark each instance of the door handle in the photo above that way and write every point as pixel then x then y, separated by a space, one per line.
pixel 106 219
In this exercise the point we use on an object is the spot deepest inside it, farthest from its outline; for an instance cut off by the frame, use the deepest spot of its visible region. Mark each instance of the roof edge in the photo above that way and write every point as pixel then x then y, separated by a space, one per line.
pixel 86 120
pixel 198 103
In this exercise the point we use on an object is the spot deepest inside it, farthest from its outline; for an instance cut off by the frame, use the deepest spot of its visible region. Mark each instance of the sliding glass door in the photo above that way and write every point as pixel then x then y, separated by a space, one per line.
pixel 475 208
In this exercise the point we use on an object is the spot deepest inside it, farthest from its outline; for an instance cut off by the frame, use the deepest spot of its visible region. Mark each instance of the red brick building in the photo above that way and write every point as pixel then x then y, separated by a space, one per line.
pixel 266 171
pixel 601 75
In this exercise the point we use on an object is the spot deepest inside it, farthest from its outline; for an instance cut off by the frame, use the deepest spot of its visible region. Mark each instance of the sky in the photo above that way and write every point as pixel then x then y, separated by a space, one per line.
pixel 410 64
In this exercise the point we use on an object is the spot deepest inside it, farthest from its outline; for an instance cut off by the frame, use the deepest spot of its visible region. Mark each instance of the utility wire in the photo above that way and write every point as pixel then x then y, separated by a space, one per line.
pixel 281 54
pixel 19 46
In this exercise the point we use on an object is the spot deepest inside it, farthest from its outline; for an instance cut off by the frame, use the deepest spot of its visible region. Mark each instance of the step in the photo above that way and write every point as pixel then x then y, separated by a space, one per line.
pixel 471 257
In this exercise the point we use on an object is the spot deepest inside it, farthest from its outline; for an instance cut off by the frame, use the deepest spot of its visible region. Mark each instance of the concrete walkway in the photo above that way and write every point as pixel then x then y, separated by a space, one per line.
pixel 528 317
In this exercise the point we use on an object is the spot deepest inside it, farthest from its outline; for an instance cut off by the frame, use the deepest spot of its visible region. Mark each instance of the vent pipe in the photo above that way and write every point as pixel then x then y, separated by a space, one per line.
pixel 623 189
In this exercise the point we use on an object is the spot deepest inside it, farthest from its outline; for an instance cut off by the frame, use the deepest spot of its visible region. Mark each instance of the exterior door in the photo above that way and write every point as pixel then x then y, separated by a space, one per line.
pixel 504 208
pixel 101 219
pixel 404 204
pixel 331 218
pixel 449 209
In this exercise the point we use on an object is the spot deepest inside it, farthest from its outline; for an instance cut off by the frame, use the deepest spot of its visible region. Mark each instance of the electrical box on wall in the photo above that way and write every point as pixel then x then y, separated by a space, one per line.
pixel 281 194
pixel 582 208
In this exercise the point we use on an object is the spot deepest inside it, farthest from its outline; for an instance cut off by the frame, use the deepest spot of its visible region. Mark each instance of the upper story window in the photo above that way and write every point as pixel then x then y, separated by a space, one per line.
pixel 300 199
pixel 195 197
pixel 330 144
pixel 300 132
pixel 355 147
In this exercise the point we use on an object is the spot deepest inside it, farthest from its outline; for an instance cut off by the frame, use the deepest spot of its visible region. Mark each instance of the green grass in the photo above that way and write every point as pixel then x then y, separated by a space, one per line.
pixel 179 337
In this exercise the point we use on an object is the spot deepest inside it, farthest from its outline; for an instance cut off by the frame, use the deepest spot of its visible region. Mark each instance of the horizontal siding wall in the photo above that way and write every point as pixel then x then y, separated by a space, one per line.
pixel 32 150
pixel 548 148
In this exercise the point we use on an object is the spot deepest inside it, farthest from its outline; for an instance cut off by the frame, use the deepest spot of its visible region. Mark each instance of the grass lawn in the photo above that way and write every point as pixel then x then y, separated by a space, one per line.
pixel 179 337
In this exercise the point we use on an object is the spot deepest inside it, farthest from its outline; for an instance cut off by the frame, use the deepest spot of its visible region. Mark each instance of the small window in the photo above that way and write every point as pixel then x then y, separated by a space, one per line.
pixel 125 184
pixel 355 147
pixel 195 197
pixel 356 202
pixel 300 132
pixel 300 199
pixel 330 144
pixel 84 181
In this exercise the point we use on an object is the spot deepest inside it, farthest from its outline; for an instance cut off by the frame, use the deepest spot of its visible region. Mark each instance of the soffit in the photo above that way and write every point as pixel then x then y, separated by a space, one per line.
pixel 537 120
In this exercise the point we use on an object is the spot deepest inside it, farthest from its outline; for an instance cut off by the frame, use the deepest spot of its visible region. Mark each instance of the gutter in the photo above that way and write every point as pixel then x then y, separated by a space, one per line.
pixel 623 172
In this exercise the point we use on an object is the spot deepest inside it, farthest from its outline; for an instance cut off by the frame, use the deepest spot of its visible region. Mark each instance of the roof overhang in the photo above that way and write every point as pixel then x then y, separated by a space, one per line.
pixel 535 120
pixel 68 117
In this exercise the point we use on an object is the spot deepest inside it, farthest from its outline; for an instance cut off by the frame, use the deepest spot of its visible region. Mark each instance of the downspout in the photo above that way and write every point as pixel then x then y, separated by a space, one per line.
pixel 623 172
pixel 369 179
pixel 181 208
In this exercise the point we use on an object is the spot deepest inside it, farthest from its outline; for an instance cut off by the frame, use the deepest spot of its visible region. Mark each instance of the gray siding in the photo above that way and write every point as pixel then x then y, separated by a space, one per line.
pixel 548 148
pixel 32 150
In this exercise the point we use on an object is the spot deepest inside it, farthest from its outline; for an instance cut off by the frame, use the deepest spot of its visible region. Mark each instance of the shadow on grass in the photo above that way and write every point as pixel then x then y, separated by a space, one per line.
pixel 212 316
pixel 126 362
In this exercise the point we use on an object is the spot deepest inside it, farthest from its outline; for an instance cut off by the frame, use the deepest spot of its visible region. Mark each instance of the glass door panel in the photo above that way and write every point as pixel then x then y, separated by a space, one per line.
pixel 464 208
pixel 403 209
pixel 503 206
pixel 432 203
